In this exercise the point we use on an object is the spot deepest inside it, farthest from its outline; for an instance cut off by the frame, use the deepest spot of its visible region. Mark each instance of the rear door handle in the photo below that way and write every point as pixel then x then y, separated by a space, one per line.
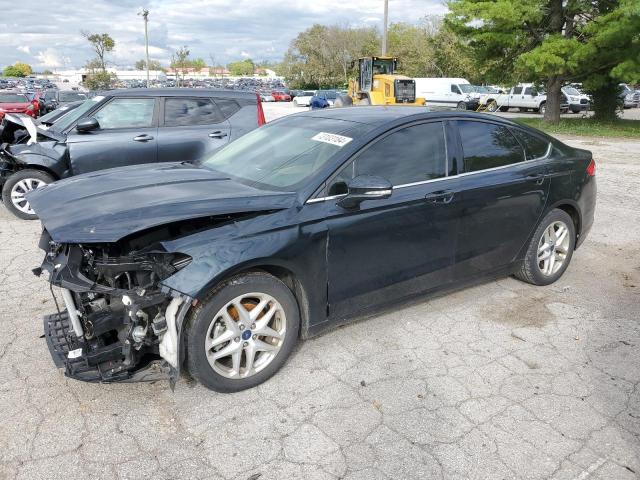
pixel 217 134
pixel 443 196
pixel 143 138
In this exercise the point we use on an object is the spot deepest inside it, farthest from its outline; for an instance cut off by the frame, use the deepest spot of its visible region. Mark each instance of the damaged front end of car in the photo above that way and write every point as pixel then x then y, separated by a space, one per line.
pixel 115 322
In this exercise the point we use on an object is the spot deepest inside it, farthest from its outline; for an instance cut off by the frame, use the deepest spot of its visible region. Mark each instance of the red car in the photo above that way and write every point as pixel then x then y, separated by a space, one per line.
pixel 281 96
pixel 18 103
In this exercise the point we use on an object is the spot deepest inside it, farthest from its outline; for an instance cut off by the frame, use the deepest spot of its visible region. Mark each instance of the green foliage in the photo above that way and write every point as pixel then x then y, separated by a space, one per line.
pixel 13 71
pixel 47 72
pixel 587 126
pixel 198 64
pixel 100 80
pixel 241 67
pixel 552 42
pixel 153 65
pixel 324 56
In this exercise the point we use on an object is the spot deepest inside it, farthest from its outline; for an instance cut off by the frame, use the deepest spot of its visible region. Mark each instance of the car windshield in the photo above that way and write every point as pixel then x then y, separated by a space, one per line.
pixel 571 91
pixel 285 154
pixel 13 98
pixel 68 119
pixel 71 96
pixel 466 88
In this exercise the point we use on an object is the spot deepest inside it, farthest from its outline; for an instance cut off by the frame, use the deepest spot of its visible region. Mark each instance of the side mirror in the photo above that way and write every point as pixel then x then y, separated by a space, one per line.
pixel 365 187
pixel 87 124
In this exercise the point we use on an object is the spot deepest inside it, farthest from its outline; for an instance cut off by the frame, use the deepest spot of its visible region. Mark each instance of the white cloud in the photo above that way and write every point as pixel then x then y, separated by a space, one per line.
pixel 51 58
pixel 225 29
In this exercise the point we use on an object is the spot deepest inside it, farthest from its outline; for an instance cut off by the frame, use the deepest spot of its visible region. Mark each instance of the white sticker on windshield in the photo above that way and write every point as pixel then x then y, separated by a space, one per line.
pixel 331 138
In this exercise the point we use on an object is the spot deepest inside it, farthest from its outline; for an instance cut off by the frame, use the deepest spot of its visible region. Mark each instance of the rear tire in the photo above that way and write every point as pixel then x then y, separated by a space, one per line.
pixel 542 109
pixel 208 334
pixel 492 106
pixel 17 185
pixel 364 101
pixel 548 255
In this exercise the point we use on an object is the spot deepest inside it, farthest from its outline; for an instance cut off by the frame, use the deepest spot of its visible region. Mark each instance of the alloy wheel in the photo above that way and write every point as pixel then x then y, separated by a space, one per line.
pixel 553 248
pixel 245 335
pixel 19 191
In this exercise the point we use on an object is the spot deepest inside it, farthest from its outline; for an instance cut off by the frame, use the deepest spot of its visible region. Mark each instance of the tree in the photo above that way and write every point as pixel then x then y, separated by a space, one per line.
pixel 180 62
pixel 325 56
pixel 153 65
pixel 241 67
pixel 102 44
pixel 198 64
pixel 13 71
pixel 24 68
pixel 553 42
pixel 46 71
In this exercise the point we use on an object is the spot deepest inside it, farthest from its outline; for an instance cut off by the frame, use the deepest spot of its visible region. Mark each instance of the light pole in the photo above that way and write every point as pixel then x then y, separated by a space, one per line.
pixel 145 16
pixel 384 28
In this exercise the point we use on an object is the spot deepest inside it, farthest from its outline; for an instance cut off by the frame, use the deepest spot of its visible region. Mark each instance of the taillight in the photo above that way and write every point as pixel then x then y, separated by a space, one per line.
pixel 261 119
pixel 591 169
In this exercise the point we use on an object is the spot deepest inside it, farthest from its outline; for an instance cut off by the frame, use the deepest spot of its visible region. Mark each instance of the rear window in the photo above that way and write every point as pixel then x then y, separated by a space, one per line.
pixel 190 111
pixel 517 90
pixel 13 98
pixel 227 107
pixel 534 147
pixel 486 145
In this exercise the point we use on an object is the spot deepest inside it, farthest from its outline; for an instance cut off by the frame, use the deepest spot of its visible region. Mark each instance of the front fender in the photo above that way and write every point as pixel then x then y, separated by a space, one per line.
pixel 42 156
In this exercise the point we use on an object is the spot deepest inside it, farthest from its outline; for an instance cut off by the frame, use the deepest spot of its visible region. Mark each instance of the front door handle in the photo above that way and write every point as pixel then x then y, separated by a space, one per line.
pixel 143 138
pixel 443 196
pixel 217 134
pixel 536 177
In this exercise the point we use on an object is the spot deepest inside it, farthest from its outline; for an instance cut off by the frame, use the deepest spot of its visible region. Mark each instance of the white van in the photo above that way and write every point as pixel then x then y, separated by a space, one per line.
pixel 447 92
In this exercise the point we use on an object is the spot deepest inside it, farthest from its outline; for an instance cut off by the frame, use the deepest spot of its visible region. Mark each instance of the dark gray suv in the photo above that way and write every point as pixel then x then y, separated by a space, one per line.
pixel 118 128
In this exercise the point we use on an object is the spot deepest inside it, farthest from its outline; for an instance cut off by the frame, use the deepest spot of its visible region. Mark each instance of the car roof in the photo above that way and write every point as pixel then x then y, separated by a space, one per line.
pixel 178 92
pixel 378 115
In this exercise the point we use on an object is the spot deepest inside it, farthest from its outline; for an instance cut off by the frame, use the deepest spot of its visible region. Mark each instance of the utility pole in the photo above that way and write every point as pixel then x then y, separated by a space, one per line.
pixel 145 16
pixel 384 28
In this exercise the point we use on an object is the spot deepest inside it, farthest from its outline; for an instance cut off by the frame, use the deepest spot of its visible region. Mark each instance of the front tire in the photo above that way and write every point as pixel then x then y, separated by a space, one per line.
pixel 550 249
pixel 461 106
pixel 17 186
pixel 242 333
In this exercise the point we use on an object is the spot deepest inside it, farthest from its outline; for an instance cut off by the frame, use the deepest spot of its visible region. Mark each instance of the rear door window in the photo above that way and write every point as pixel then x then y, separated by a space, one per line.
pixel 126 113
pixel 487 145
pixel 517 90
pixel 534 147
pixel 190 111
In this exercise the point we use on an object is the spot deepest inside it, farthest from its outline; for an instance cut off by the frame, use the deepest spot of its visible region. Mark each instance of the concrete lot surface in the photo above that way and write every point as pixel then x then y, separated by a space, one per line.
pixel 499 381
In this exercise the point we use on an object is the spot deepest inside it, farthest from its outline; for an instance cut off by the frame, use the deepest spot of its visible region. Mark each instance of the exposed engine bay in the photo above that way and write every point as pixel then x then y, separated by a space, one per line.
pixel 114 320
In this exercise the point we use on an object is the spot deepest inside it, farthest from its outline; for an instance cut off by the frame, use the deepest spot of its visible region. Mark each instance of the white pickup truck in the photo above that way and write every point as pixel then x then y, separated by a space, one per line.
pixel 524 96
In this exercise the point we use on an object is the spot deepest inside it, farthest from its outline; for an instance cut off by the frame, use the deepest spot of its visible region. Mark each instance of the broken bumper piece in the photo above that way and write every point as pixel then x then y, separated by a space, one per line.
pixel 93 363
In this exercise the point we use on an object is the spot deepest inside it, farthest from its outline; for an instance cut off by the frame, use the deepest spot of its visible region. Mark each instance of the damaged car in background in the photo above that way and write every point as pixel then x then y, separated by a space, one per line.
pixel 119 128
pixel 218 269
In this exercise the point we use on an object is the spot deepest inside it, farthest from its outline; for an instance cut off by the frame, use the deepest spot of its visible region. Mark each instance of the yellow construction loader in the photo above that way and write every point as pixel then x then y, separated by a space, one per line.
pixel 379 84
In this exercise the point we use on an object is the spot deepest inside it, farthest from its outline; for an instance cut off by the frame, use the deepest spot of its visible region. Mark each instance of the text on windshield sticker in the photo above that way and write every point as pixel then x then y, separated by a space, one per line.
pixel 331 138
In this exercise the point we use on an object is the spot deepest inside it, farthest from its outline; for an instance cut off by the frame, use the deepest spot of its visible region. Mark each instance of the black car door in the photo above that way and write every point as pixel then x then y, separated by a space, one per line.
pixel 391 248
pixel 503 194
pixel 192 127
pixel 127 136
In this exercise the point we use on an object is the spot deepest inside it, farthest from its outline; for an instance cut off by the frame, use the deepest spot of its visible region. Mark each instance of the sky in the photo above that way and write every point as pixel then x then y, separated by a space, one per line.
pixel 47 34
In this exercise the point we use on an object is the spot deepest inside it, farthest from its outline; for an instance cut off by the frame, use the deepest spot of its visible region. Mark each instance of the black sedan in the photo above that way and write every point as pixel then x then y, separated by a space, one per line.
pixel 295 228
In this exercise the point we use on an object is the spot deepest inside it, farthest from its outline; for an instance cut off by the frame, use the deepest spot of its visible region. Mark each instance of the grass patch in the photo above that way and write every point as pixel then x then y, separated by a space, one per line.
pixel 586 127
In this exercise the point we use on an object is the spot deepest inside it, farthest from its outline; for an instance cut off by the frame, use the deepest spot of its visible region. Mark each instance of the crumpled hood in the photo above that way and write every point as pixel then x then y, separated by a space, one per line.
pixel 108 205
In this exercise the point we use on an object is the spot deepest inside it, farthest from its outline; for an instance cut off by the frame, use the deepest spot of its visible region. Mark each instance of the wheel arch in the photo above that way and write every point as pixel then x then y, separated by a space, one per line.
pixel 574 212
pixel 40 168
pixel 283 272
